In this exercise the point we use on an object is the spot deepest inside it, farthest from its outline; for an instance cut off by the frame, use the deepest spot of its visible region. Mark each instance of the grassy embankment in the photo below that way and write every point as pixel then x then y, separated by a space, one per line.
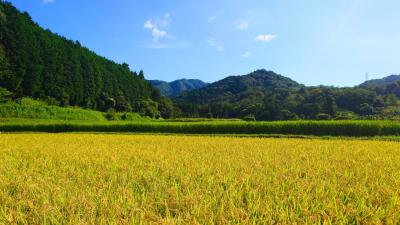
pixel 27 108
pixel 35 116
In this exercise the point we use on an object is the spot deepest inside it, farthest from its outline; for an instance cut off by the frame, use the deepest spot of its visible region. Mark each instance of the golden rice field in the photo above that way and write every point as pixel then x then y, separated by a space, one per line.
pixel 144 179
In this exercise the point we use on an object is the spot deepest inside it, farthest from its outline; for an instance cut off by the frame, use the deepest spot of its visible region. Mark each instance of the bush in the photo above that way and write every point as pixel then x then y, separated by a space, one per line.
pixel 366 109
pixel 5 95
pixel 110 114
pixel 51 101
pixel 345 115
pixel 124 116
pixel 133 117
pixel 249 118
pixel 323 116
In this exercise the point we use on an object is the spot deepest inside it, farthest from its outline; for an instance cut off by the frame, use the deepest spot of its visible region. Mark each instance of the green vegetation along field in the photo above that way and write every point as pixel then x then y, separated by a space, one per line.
pixel 27 108
pixel 350 128
pixel 140 179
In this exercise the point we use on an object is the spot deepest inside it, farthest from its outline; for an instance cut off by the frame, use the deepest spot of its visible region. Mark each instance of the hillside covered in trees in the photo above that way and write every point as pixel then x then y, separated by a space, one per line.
pixel 381 82
pixel 265 95
pixel 38 63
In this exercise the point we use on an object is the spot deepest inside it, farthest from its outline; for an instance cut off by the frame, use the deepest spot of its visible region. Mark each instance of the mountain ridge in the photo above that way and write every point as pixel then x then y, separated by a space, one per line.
pixel 382 81
pixel 235 85
pixel 176 87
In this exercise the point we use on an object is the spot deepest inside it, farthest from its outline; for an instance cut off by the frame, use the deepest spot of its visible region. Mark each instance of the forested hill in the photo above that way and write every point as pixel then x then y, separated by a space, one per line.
pixel 38 63
pixel 235 89
pixel 384 81
pixel 265 95
pixel 176 87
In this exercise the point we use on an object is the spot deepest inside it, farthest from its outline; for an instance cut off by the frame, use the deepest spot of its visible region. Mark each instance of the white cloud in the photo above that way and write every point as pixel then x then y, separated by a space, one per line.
pixel 157 27
pixel 211 19
pixel 148 24
pixel 157 34
pixel 265 37
pixel 48 1
pixel 247 55
pixel 242 25
pixel 155 31
pixel 213 43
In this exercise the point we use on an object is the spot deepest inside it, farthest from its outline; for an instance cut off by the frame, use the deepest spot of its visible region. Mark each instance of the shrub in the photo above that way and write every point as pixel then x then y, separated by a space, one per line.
pixel 249 118
pixel 323 116
pixel 345 115
pixel 5 95
pixel 110 114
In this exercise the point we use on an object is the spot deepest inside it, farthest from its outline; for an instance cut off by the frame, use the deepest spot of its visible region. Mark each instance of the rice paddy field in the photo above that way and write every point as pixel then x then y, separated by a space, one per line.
pixel 155 179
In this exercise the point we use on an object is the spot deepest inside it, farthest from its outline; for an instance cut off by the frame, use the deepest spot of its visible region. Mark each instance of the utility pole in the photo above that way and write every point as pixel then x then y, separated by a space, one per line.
pixel 366 77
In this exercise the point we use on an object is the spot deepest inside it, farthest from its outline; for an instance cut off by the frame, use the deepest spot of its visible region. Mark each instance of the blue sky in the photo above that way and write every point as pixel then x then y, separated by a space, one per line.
pixel 330 42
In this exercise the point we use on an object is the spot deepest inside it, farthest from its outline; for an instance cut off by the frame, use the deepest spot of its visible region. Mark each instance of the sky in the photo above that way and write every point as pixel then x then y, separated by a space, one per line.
pixel 314 42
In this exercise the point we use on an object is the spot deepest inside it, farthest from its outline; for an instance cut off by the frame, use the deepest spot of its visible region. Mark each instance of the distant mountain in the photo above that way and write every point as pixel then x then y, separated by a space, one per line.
pixel 260 94
pixel 384 81
pixel 266 95
pixel 235 89
pixel 176 87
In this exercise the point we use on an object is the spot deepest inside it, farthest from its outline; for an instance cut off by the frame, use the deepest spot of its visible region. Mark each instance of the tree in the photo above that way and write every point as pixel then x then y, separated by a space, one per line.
pixel 148 108
pixel 271 109
pixel 166 108
pixel 310 110
pixel 352 98
pixel 141 75
pixel 323 116
pixel 366 109
pixel 109 103
pixel 122 105
pixel 5 95
pixel 330 106
pixel 125 66
pixel 392 100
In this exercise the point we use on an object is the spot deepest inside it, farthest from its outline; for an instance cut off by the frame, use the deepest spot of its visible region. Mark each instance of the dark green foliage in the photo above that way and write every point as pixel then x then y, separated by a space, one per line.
pixel 316 128
pixel 352 98
pixel 249 118
pixel 323 116
pixel 366 109
pixel 148 108
pixel 5 95
pixel 167 108
pixel 35 62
